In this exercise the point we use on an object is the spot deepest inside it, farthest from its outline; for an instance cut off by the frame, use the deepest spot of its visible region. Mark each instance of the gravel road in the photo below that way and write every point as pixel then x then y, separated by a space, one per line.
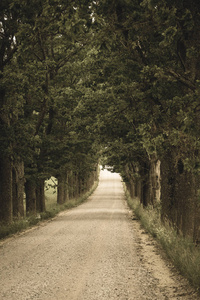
pixel 93 252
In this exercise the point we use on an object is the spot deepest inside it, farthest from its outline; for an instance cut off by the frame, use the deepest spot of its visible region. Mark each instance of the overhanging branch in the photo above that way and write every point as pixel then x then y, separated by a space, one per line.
pixel 182 79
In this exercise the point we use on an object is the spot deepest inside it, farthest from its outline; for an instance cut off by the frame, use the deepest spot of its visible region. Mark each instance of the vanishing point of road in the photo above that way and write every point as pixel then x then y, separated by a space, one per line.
pixel 93 252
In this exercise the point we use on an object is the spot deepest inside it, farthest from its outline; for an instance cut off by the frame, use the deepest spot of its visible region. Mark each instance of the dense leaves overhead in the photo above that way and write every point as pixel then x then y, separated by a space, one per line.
pixel 123 74
pixel 149 52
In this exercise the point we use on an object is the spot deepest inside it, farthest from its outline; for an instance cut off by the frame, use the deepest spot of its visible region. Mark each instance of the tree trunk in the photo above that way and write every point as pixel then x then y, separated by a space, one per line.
pixel 154 178
pixel 6 209
pixel 129 180
pixel 40 196
pixel 66 187
pixel 63 188
pixel 30 190
pixel 186 190
pixel 168 186
pixel 179 196
pixel 145 176
pixel 196 234
pixel 145 194
pixel 75 184
pixel 70 184
pixel 5 162
pixel 18 189
pixel 81 184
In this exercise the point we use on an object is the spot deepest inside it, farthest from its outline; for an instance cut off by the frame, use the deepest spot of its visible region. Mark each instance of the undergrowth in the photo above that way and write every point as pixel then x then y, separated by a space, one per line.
pixel 181 251
pixel 52 209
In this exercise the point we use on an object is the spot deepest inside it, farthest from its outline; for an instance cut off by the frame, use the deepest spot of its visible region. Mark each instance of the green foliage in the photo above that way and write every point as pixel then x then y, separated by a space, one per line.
pixel 43 78
pixel 119 78
pixel 145 80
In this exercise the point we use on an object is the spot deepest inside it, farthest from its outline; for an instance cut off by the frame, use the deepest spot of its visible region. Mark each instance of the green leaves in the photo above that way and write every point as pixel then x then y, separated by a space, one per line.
pixel 147 79
pixel 114 72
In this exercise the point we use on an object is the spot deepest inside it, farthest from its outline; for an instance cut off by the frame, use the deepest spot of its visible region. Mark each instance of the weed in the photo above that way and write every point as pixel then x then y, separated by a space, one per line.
pixel 182 251
pixel 8 229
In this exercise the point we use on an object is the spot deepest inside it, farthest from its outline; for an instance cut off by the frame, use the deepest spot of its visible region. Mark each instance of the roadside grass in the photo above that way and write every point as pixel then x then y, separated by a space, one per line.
pixel 52 209
pixel 182 251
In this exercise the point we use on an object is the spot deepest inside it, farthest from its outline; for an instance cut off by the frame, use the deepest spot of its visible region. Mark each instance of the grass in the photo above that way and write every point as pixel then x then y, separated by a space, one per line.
pixel 181 251
pixel 52 209
pixel 51 200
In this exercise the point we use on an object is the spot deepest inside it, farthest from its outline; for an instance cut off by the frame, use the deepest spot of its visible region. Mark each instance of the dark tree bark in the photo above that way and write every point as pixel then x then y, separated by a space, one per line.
pixel 60 190
pixel 70 182
pixel 168 185
pixel 63 190
pixel 75 185
pixel 66 190
pixel 154 178
pixel 131 183
pixel 6 211
pixel 145 192
pixel 179 190
pixel 40 195
pixel 18 189
pixel 30 190
pixel 186 199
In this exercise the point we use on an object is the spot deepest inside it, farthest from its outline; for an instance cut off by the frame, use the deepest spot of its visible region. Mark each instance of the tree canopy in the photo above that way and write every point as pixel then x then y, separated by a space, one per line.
pixel 85 79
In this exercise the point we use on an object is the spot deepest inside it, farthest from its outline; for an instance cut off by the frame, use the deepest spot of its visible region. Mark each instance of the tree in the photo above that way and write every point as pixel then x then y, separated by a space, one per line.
pixel 8 46
pixel 158 103
pixel 47 37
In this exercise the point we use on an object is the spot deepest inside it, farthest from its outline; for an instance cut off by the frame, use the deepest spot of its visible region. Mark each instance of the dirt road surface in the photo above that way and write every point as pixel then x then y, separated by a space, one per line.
pixel 93 252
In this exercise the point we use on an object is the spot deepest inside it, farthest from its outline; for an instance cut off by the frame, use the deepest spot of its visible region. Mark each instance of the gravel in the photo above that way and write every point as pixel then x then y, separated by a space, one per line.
pixel 93 252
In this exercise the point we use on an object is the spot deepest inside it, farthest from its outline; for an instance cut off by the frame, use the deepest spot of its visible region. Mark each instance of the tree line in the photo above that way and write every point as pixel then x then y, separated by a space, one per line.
pixel 118 79
pixel 151 81
pixel 44 126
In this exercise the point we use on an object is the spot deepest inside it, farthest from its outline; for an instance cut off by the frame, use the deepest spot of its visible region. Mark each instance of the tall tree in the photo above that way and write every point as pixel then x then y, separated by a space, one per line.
pixel 9 23
pixel 154 95
pixel 38 40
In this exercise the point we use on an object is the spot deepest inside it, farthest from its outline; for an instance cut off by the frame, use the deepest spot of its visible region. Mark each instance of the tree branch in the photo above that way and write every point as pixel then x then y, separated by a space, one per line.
pixel 182 79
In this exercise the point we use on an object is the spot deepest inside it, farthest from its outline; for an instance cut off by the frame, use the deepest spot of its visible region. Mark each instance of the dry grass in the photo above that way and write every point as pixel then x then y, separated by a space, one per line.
pixel 182 251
